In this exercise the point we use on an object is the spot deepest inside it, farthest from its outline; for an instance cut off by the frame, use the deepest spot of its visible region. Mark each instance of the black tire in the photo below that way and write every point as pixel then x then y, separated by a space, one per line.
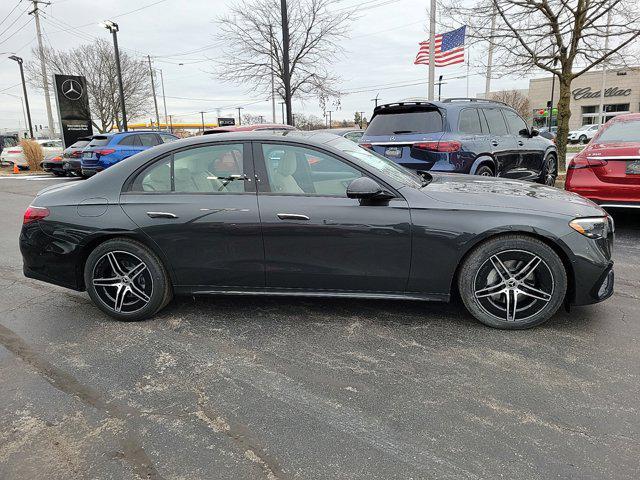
pixel 484 171
pixel 58 173
pixel 549 170
pixel 481 285
pixel 140 296
pixel 583 139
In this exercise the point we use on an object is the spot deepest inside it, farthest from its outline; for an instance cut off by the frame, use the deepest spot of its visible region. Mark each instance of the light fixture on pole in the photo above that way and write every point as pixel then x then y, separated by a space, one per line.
pixel 24 90
pixel 113 28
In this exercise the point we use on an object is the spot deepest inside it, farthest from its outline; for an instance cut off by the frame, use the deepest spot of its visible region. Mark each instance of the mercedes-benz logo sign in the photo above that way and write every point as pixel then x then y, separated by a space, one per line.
pixel 72 89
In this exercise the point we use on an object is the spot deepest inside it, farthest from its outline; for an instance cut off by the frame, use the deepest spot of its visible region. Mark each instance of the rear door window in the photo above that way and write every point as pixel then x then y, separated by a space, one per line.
pixel 495 120
pixel 149 139
pixel 398 123
pixel 469 121
pixel 167 138
pixel 131 141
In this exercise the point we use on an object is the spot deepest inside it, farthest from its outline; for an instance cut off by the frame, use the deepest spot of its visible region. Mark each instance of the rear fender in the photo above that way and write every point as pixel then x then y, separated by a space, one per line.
pixel 483 159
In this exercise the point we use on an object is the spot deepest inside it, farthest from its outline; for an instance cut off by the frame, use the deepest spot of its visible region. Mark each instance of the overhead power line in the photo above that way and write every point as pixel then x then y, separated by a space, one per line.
pixel 12 10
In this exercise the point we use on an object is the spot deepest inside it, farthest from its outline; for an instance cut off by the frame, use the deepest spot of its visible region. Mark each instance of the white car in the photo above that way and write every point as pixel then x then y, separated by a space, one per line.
pixel 584 133
pixel 14 156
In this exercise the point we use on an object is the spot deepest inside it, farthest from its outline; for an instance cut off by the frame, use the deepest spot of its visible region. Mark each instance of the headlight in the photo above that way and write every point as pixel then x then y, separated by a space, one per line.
pixel 595 227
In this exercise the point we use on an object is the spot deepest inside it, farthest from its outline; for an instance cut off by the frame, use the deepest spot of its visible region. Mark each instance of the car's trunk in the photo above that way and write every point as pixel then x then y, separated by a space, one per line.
pixel 616 163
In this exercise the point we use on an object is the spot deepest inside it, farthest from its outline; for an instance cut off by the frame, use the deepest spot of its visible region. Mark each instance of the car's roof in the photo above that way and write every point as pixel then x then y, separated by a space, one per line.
pixel 313 137
pixel 625 117
pixel 446 104
pixel 340 130
pixel 248 128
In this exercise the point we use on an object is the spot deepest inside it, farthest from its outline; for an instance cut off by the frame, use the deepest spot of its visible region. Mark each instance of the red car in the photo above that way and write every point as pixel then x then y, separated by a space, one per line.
pixel 607 171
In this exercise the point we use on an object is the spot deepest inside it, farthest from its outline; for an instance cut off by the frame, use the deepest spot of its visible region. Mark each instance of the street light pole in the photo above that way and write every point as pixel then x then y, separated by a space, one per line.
pixel 202 118
pixel 24 90
pixel 113 28
pixel 155 100
pixel 164 100
pixel 43 66
pixel 240 115
pixel 286 77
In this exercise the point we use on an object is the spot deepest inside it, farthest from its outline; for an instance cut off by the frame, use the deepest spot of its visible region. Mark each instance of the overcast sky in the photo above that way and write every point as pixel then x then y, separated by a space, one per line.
pixel 378 54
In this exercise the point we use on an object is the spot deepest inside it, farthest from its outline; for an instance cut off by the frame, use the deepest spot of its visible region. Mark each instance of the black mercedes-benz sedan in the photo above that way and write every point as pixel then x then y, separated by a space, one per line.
pixel 315 215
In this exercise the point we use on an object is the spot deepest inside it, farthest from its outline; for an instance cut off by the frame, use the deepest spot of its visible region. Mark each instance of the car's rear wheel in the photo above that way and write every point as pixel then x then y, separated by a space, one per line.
pixel 550 170
pixel 126 280
pixel 484 171
pixel 583 139
pixel 512 282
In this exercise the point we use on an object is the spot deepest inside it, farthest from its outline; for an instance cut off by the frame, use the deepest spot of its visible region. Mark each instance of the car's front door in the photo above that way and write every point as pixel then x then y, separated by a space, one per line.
pixel 532 149
pixel 199 206
pixel 503 144
pixel 317 239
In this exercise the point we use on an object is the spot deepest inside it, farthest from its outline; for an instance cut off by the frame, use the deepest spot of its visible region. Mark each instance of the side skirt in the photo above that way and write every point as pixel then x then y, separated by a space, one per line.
pixel 198 290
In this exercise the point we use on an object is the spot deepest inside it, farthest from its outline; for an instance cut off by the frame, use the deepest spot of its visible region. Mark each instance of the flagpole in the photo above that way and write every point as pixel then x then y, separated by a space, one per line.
pixel 468 65
pixel 487 85
pixel 432 49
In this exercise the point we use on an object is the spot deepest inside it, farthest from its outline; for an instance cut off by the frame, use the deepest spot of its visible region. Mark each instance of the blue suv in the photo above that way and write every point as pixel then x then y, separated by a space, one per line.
pixel 108 149
pixel 462 135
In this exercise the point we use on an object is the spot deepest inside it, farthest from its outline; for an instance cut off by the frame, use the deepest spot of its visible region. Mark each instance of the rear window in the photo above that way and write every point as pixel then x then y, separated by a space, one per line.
pixel 80 144
pixel 9 142
pixel 627 131
pixel 100 141
pixel 398 123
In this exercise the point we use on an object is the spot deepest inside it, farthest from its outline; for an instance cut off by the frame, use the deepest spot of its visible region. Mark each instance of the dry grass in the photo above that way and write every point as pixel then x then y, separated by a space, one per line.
pixel 33 153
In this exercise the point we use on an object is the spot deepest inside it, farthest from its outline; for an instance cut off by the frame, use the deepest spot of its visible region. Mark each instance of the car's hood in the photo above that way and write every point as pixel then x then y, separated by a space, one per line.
pixel 613 149
pixel 476 191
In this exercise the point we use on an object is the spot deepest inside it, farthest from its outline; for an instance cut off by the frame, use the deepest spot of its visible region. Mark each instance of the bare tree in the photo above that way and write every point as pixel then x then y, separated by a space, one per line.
pixel 96 62
pixel 516 100
pixel 566 38
pixel 253 29
pixel 309 122
pixel 251 119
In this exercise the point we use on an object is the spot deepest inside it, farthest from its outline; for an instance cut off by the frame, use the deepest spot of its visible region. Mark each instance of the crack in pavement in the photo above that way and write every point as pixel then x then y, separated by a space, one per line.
pixel 132 452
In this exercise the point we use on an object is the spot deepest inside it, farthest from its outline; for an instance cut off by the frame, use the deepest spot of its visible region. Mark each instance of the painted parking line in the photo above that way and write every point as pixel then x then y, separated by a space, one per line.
pixel 36 178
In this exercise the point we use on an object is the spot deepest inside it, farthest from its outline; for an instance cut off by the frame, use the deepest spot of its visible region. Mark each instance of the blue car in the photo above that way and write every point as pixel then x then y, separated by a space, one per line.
pixel 472 136
pixel 108 149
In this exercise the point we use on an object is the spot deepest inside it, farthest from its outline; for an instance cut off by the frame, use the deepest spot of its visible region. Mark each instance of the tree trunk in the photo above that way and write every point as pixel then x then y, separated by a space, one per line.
pixel 564 113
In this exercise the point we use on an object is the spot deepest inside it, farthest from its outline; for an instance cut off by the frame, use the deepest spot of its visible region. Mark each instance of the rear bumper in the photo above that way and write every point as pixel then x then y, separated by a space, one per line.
pixel 72 165
pixel 90 171
pixel 584 182
pixel 52 166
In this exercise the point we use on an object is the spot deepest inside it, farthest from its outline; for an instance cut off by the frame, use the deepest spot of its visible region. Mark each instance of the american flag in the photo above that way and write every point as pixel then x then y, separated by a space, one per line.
pixel 449 49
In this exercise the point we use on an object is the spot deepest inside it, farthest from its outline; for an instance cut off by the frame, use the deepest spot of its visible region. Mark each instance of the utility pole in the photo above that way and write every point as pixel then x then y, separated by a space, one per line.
pixel 285 59
pixel 273 81
pixel 153 89
pixel 164 99
pixel 202 118
pixel 376 99
pixel 45 79
pixel 361 119
pixel 282 104
pixel 239 115
pixel 113 28
pixel 24 90
pixel 432 48
pixel 170 124
pixel 329 112
pixel 492 32
pixel 440 83
pixel 604 67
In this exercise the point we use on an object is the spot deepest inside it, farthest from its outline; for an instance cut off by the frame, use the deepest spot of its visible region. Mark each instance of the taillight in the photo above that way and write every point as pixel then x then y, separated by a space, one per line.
pixel 580 161
pixel 366 145
pixel 33 214
pixel 444 146
pixel 106 151
pixel 56 159
pixel 14 151
pixel 76 154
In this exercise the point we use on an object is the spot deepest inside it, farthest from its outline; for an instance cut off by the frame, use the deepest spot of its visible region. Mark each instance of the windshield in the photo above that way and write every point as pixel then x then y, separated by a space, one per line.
pixel 377 162
pixel 625 131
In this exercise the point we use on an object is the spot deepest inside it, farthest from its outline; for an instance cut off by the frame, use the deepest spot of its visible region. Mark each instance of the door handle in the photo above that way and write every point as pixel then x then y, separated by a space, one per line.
pixel 520 143
pixel 161 215
pixel 292 216
pixel 494 143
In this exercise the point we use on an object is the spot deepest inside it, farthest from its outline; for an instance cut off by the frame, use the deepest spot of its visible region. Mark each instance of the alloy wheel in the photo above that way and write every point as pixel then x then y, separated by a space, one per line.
pixel 551 171
pixel 122 281
pixel 514 285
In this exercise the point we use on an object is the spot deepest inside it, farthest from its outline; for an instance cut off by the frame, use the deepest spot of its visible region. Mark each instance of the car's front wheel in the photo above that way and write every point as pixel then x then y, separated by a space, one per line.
pixel 583 139
pixel 512 282
pixel 484 171
pixel 126 280
pixel 549 170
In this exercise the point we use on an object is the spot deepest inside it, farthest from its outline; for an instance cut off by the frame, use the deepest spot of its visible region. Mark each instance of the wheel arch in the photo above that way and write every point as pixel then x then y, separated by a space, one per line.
pixel 100 237
pixel 483 160
pixel 556 244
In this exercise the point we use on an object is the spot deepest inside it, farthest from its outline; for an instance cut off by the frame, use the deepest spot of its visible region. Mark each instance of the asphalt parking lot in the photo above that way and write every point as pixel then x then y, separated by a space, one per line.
pixel 243 388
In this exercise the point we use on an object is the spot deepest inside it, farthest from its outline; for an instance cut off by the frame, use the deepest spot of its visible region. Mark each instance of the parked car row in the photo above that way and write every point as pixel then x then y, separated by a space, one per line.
pixel 13 155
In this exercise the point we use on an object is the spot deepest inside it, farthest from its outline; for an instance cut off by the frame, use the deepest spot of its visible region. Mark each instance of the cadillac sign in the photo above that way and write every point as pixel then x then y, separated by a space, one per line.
pixel 586 92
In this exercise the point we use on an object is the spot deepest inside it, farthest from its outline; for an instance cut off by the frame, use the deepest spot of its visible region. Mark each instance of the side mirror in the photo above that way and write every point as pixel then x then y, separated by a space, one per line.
pixel 364 188
pixel 534 132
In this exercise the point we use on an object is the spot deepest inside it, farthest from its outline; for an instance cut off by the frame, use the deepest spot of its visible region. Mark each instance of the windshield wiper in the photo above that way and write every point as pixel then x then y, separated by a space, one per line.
pixel 426 177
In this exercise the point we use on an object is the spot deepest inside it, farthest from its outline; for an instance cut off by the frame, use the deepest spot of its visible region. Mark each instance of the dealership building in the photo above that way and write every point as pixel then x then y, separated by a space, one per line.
pixel 621 95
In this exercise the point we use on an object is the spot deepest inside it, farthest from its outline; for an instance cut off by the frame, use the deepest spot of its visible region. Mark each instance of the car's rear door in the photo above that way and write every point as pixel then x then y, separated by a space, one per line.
pixel 315 238
pixel 503 144
pixel 199 206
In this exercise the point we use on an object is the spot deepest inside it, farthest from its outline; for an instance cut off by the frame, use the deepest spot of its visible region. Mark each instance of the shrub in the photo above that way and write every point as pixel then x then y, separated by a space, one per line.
pixel 33 152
